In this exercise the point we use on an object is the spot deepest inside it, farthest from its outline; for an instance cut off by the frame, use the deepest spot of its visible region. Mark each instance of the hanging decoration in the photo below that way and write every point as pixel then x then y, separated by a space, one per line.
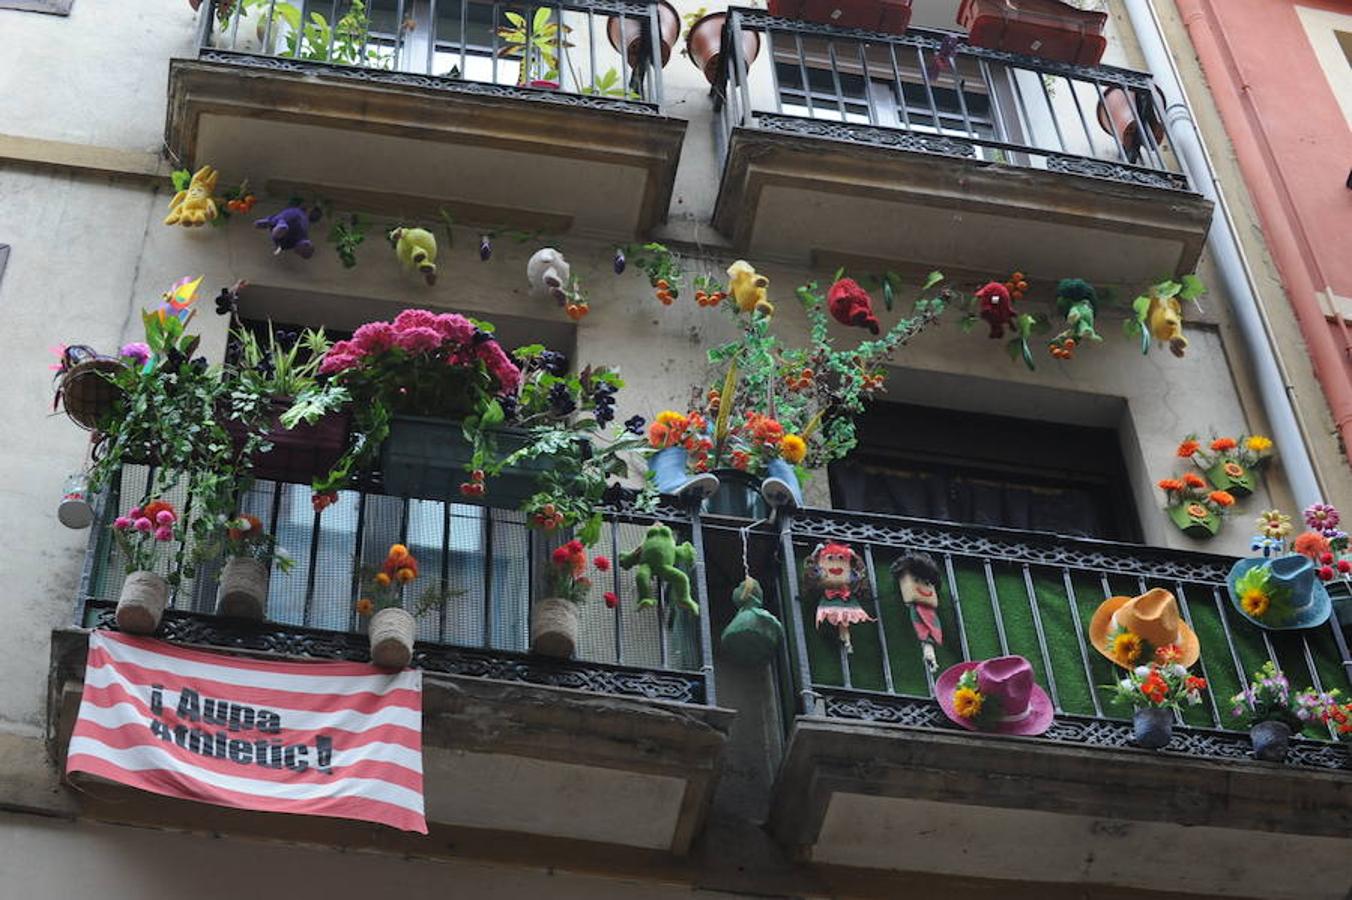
pixel 194 204
pixel 836 579
pixel 659 263
pixel 290 230
pixel 995 695
pixel 917 577
pixel 849 304
pixel 417 250
pixel 548 273
pixel 994 304
pixel 485 248
pixel 1230 463
pixel 754 633
pixel 748 289
pixel 1077 301
pixel 1194 506
pixel 660 557
pixel 1159 313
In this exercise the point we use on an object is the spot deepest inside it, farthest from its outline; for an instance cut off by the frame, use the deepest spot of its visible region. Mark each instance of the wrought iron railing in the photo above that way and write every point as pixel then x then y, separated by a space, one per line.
pixel 566 52
pixel 931 92
pixel 1034 594
pixel 481 568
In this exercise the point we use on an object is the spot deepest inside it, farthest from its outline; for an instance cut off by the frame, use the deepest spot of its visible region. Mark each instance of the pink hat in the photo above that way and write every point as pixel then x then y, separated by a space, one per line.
pixel 999 696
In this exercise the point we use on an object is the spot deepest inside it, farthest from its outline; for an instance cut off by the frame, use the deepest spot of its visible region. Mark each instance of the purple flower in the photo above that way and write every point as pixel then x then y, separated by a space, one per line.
pixel 164 533
pixel 418 339
pixel 1322 516
pixel 137 352
pixel 374 337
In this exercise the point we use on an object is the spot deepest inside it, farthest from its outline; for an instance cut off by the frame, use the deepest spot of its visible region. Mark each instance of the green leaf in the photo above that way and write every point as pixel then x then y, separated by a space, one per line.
pixel 492 415
pixel 1166 289
pixel 515 18
pixel 182 178
pixel 967 324
pixel 932 279
pixel 542 17
pixel 889 297
pixel 1192 288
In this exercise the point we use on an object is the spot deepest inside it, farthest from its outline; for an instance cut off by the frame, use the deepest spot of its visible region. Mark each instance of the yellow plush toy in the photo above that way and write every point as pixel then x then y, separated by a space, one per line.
pixel 1164 318
pixel 748 288
pixel 417 249
pixel 195 206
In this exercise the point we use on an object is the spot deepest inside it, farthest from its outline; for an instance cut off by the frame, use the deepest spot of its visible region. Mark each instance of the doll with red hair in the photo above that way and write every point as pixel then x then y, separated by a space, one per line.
pixel 836 578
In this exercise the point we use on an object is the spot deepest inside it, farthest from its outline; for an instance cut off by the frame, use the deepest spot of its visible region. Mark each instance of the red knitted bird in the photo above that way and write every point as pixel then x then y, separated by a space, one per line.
pixel 851 305
pixel 997 308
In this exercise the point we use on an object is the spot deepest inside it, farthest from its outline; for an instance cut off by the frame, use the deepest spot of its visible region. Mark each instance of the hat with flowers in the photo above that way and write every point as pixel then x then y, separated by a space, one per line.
pixel 1134 630
pixel 1280 593
pixel 995 695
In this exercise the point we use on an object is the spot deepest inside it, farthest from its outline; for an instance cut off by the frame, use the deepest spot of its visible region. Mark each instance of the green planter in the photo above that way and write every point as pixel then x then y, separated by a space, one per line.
pixel 1232 477
pixel 426 458
pixel 1194 526
pixel 738 496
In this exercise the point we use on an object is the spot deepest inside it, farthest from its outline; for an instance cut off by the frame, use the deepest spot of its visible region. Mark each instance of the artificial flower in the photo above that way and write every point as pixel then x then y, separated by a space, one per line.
pixel 137 351
pixel 634 424
pixel 244 526
pixel 397 551
pixel 793 448
pixel 967 702
pixel 164 533
pixel 612 600
pixel 1198 511
pixel 418 340
pixel 1274 524
pixel 1222 498
pixel 1257 443
pixel 405 574
pixel 1255 601
pixel 671 418
pixel 1223 444
pixel 1169 485
pixel 1193 480
pixel 1188 448
pixel 1322 517
pixel 1126 647
pixel 602 563
pixel 383 579
pixel 374 337
pixel 1155 688
pixel 365 606
pixel 1233 469
pixel 1169 653
pixel 1311 544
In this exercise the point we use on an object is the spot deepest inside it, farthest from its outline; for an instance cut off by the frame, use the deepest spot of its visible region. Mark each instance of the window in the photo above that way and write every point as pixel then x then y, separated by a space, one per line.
pixel 988 470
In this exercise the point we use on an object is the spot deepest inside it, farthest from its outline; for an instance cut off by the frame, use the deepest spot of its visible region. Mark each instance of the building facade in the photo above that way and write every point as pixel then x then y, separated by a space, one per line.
pixel 654 763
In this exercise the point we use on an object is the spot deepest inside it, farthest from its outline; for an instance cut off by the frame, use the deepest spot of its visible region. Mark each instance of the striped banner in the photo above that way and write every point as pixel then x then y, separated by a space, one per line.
pixel 320 739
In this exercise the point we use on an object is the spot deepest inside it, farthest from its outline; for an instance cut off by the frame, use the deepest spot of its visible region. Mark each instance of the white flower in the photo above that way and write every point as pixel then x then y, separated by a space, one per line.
pixel 244 525
pixel 1126 685
pixel 282 553
pixel 1142 671
pixel 1194 697
pixel 221 517
pixel 1178 671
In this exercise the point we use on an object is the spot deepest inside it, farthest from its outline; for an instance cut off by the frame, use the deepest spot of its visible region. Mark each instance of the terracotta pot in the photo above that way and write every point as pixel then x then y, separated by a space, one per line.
pixel 243 588
pixel 553 627
pixel 1047 29
pixel 1115 117
pixel 627 32
pixel 86 395
pixel 298 454
pixel 704 44
pixel 142 602
pixel 888 16
pixel 391 632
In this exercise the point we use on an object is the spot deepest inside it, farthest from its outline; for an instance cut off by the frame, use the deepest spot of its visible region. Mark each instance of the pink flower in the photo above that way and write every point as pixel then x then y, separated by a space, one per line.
pixel 415 318
pixel 338 362
pixel 143 524
pixel 612 600
pixel 137 351
pixel 373 337
pixel 164 533
pixel 164 517
pixel 122 523
pixel 418 339
pixel 134 512
pixel 602 563
pixel 455 327
pixel 500 366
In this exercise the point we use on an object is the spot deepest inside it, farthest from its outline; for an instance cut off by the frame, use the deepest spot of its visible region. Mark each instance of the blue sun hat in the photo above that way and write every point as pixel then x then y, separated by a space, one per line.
pixel 1279 594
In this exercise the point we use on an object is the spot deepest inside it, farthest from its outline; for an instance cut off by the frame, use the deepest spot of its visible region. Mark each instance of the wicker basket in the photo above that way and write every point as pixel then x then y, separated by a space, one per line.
pixel 87 396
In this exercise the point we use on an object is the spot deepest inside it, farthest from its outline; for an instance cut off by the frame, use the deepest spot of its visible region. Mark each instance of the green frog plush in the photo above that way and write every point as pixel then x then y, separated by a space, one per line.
pixel 660 557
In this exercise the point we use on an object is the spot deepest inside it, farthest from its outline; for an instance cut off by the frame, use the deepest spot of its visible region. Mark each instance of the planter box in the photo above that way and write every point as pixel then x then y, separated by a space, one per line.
pixel 889 16
pixel 1044 28
pixel 426 458
pixel 297 454
pixel 1200 527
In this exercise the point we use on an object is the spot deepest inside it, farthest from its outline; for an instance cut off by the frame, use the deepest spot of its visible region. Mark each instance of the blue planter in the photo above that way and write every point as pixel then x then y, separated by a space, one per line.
pixel 781 487
pixel 1270 740
pixel 668 468
pixel 738 496
pixel 1153 727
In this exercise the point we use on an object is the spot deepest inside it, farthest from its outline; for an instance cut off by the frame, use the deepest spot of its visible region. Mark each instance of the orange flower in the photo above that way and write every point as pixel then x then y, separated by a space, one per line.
pixel 1188 448
pixel 1222 498
pixel 1311 544
pixel 1193 480
pixel 1198 511
pixel 397 551
pixel 365 606
pixel 659 436
pixel 235 534
pixel 1233 469
pixel 382 579
pixel 405 575
pixel 1155 687
pixel 1169 485
pixel 1220 445
pixel 1169 653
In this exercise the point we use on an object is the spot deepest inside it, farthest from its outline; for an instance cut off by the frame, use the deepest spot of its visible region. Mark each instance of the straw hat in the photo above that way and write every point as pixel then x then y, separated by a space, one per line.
pixel 1012 702
pixel 1153 617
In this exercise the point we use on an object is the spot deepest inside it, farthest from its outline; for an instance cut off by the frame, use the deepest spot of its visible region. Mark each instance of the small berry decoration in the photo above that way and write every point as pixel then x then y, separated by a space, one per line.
pixel 475 487
pixel 662 267
pixel 709 291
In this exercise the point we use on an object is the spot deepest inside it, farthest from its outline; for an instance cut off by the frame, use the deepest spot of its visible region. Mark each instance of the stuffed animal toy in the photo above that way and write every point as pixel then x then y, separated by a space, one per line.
pixel 660 557
pixel 1164 319
pixel 754 633
pixel 1077 300
pixel 549 274
pixel 748 289
pixel 917 577
pixel 996 308
pixel 196 205
pixel 290 230
pixel 835 577
pixel 417 249
pixel 851 305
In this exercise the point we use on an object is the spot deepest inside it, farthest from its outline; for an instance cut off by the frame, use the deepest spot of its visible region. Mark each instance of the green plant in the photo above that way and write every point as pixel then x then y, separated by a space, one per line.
pixel 278 368
pixel 347 237
pixel 662 266
pixel 143 533
pixel 346 41
pixel 536 44
pixel 607 84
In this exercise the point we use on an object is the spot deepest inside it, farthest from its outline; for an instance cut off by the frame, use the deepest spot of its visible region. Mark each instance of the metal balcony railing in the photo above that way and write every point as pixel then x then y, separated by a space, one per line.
pixel 1033 594
pixel 551 52
pixel 931 92
pixel 484 566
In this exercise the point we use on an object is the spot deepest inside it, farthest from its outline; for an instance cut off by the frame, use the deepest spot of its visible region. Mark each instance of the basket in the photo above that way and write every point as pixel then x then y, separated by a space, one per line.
pixel 87 395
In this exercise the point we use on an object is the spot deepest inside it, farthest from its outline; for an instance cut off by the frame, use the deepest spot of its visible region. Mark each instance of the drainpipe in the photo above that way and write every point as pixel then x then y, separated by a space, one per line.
pixel 1225 250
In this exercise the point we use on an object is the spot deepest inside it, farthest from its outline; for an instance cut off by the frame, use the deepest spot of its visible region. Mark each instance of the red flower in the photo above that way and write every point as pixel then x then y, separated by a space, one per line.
pixel 1193 480
pixel 1344 566
pixel 1194 683
pixel 602 563
pixel 612 601
pixel 1222 498
pixel 1188 448
pixel 1325 573
pixel 1326 558
pixel 560 556
pixel 1311 544
pixel 1155 687
pixel 1220 445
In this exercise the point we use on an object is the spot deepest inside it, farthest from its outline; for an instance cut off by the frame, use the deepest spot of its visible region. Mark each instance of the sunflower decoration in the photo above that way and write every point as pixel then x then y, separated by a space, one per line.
pixel 968 701
pixel 1125 647
pixel 1259 595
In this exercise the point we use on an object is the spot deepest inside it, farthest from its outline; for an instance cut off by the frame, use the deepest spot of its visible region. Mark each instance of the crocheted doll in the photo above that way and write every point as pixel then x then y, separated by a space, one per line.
pixel 835 577
pixel 917 577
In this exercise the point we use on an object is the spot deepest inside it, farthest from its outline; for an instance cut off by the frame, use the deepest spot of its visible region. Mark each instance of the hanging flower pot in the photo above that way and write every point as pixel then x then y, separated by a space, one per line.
pixel 86 393
pixel 1228 475
pixel 75 510
pixel 1152 727
pixel 1048 29
pixel 1271 740
pixel 141 603
pixel 627 32
pixel 888 16
pixel 1115 116
pixel 1195 520
pixel 391 632
pixel 704 45
pixel 553 627
pixel 243 589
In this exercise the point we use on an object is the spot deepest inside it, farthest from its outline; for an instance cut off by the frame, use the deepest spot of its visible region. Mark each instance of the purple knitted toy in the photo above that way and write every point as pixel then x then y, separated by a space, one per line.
pixel 290 230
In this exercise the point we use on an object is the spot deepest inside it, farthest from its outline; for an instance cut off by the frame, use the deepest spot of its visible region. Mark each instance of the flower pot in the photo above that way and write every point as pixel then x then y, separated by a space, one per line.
pixel 738 495
pixel 1195 520
pixel 298 454
pixel 75 510
pixel 704 45
pixel 243 588
pixel 780 487
pixel 142 602
pixel 1270 740
pixel 553 627
pixel 669 474
pixel 1232 477
pixel 1115 116
pixel 87 396
pixel 627 32
pixel 887 16
pixel 391 632
pixel 1044 28
pixel 1152 727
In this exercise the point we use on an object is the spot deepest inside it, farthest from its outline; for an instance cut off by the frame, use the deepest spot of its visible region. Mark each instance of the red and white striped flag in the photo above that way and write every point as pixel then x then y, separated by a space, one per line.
pixel 321 739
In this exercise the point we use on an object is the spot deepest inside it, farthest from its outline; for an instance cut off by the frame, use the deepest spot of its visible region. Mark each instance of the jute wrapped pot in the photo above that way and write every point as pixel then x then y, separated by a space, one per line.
pixel 142 602
pixel 243 588
pixel 391 632
pixel 553 627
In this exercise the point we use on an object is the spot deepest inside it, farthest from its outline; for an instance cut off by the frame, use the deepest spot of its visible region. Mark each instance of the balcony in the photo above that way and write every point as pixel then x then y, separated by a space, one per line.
pixel 618 746
pixel 876 777
pixel 845 147
pixel 490 133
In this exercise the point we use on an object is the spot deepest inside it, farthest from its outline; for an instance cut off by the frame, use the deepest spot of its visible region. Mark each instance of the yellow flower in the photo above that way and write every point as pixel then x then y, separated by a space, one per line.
pixel 397 551
pixel 1126 648
pixel 668 417
pixel 793 448
pixel 382 579
pixel 1255 602
pixel 365 606
pixel 967 702
pixel 1258 443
